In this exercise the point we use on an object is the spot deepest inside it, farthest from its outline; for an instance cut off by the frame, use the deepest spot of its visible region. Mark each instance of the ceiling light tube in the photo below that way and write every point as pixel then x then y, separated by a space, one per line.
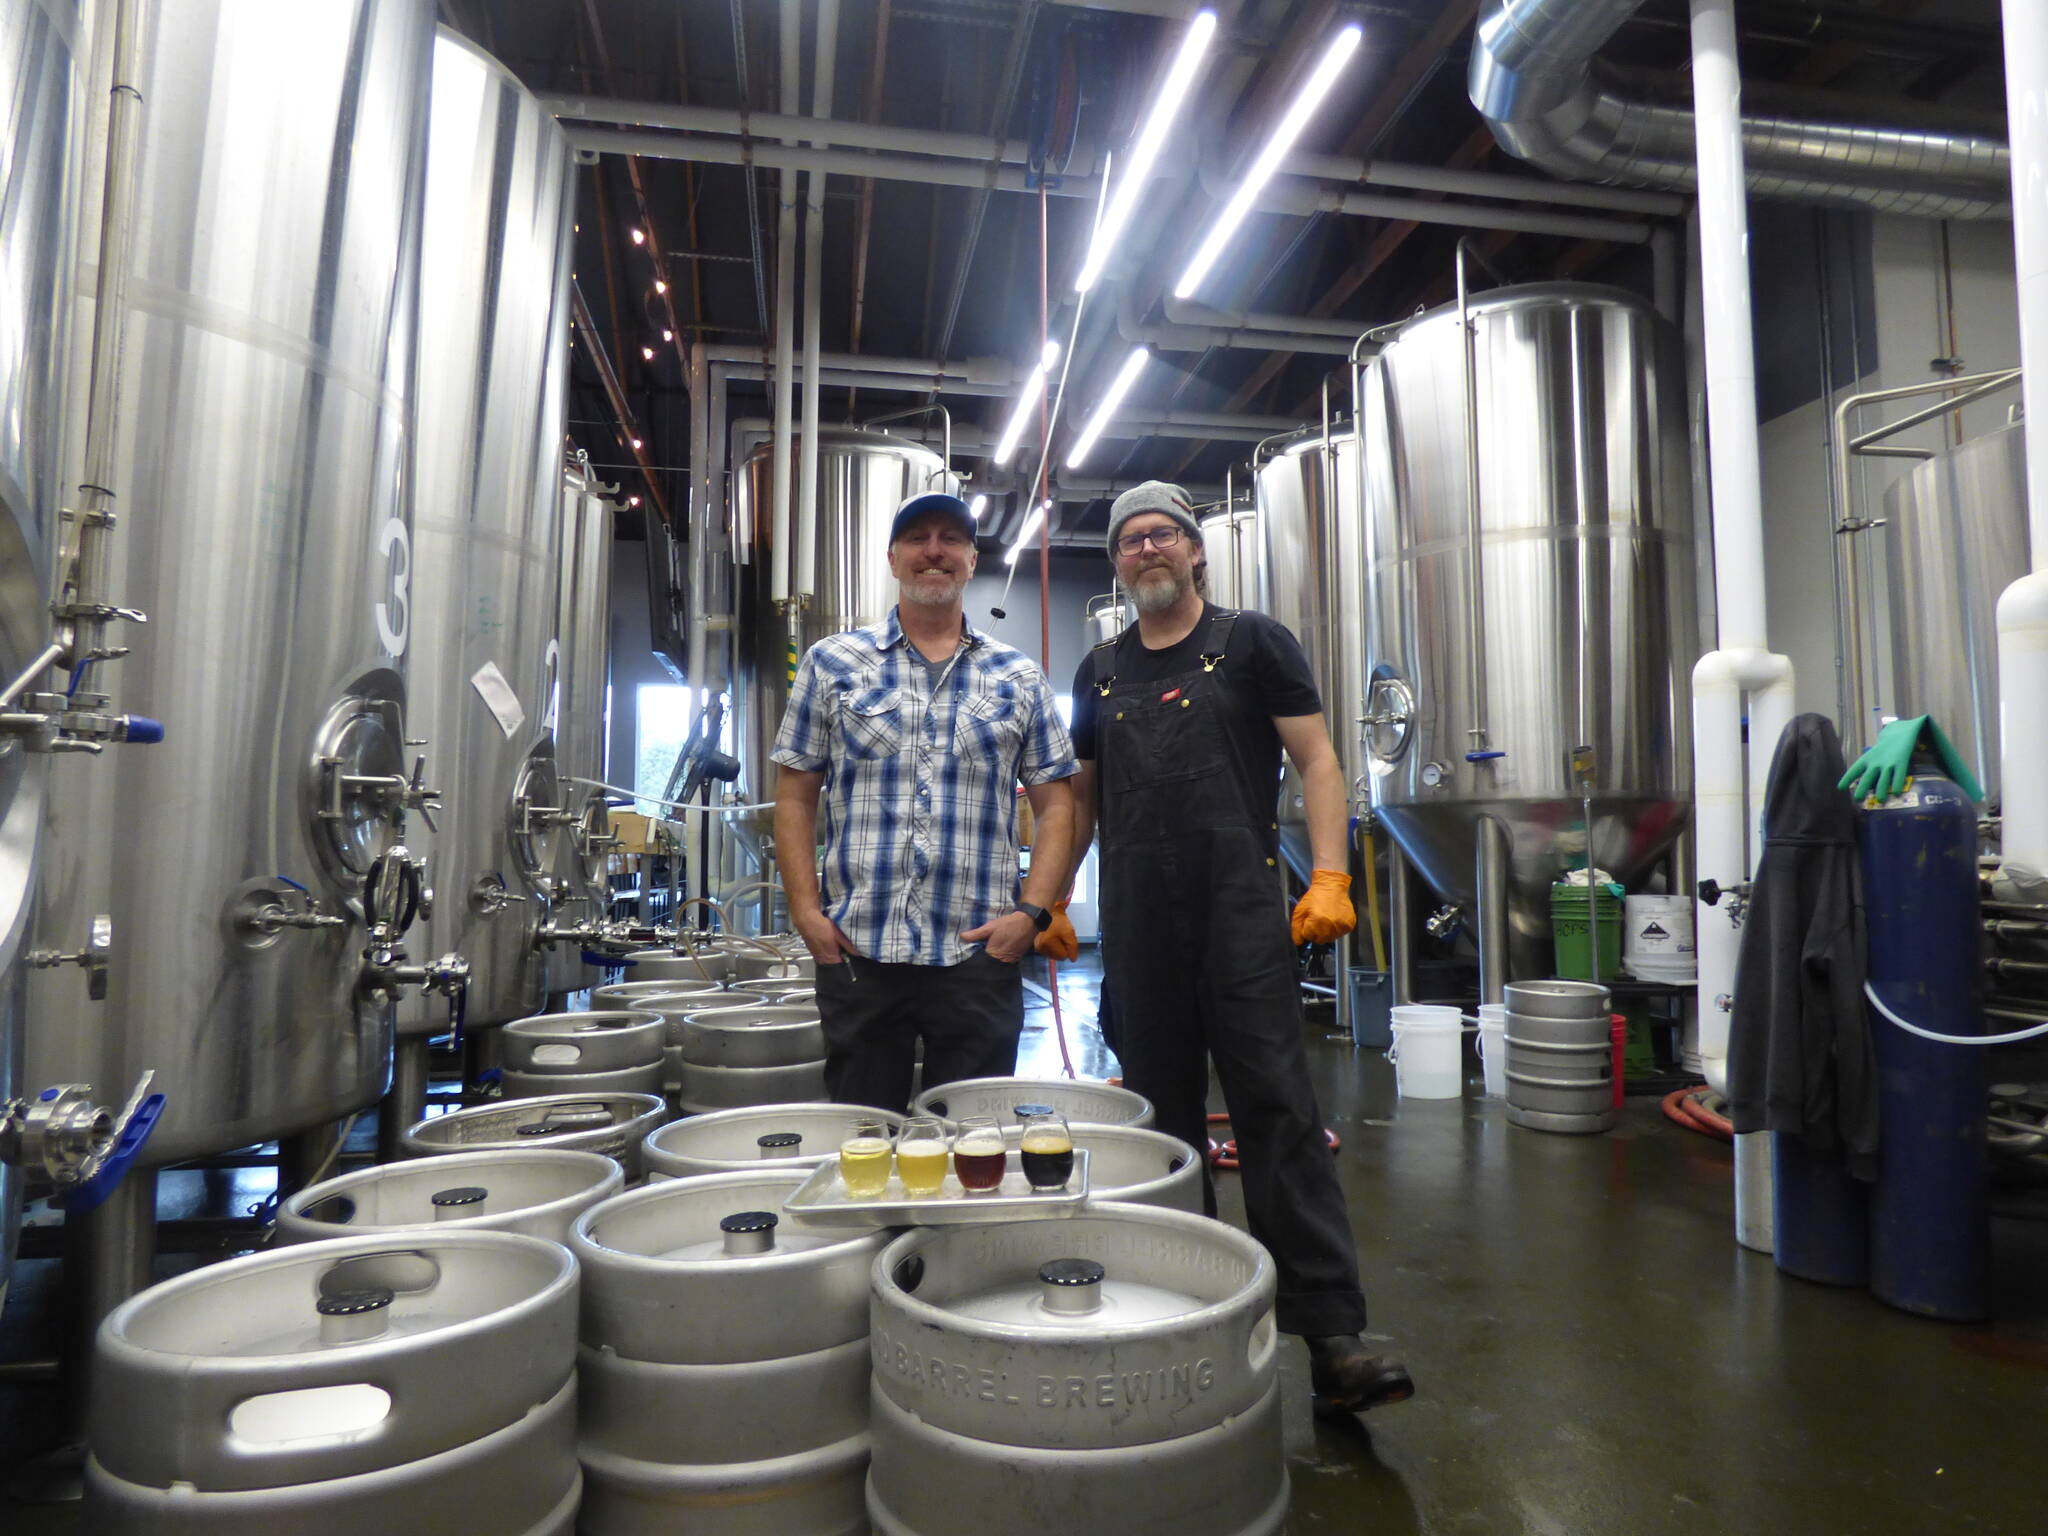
pixel 1029 531
pixel 1106 411
pixel 976 507
pixel 1034 382
pixel 1318 85
pixel 1173 92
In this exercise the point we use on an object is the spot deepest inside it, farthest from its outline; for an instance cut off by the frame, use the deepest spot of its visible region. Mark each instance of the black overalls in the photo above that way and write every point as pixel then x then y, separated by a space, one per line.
pixel 1199 963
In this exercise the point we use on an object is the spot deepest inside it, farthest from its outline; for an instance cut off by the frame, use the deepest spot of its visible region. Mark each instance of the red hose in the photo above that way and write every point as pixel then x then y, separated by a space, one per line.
pixel 1681 1107
pixel 1224 1154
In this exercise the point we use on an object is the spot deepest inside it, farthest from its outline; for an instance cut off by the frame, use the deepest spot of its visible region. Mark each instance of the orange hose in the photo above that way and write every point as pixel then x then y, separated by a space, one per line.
pixel 1681 1108
pixel 1224 1154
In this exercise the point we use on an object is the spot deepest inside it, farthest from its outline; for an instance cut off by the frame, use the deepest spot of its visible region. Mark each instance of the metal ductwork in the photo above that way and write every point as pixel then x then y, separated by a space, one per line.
pixel 1535 78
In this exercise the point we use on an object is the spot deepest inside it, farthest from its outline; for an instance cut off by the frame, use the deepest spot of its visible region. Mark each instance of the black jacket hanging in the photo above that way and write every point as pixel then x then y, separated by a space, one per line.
pixel 1799 1054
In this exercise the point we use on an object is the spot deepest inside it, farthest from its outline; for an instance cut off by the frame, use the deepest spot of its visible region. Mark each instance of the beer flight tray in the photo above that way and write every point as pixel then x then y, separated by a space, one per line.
pixel 823 1200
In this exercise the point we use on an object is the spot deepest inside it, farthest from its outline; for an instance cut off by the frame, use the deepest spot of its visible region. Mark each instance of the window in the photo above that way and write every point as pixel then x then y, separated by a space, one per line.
pixel 662 722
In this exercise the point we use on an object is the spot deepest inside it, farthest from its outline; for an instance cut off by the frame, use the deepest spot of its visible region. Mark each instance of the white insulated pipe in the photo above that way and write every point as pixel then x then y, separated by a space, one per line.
pixel 827 49
pixel 2023 608
pixel 782 576
pixel 1728 828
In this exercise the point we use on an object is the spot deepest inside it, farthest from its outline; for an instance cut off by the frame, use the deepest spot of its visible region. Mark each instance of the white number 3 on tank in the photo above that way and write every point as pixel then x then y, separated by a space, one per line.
pixel 394 617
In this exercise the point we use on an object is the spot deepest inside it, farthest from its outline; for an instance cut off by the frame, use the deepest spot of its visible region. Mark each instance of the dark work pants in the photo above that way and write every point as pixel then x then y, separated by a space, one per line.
pixel 969 1016
pixel 1198 961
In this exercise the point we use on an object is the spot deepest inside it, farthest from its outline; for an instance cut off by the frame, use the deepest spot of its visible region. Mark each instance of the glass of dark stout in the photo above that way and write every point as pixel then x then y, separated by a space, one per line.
pixel 1046 1147
pixel 978 1153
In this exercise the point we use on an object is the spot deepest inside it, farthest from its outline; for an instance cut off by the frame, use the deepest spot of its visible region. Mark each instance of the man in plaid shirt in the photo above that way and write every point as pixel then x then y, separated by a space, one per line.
pixel 913 734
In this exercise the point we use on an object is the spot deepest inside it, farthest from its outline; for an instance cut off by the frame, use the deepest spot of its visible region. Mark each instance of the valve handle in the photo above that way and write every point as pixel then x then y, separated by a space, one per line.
pixel 141 730
pixel 1483 757
pixel 94 1191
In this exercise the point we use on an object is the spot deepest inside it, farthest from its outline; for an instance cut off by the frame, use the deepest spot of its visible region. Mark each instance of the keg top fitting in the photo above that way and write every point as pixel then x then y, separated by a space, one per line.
pixel 351 1316
pixel 1031 1109
pixel 749 1232
pixel 1071 1286
pixel 464 1200
pixel 779 1143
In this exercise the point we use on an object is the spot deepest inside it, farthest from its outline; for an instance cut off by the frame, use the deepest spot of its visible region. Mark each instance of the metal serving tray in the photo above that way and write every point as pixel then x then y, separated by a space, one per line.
pixel 823 1200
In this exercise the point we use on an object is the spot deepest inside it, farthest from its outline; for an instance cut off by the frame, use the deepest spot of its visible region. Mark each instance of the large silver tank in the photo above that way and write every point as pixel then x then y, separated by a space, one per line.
pixel 38 95
pixel 1956 538
pixel 863 477
pixel 1231 545
pixel 582 688
pixel 1311 534
pixel 1586 629
pixel 263 469
pixel 494 336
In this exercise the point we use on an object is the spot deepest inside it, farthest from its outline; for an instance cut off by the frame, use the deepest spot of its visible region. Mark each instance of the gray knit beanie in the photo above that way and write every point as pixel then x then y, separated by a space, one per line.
pixel 1152 496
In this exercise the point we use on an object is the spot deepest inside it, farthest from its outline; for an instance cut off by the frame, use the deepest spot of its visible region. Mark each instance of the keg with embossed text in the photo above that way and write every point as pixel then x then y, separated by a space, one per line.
pixel 737 1140
pixel 672 1000
pixel 1138 1167
pixel 611 1051
pixel 1111 1372
pixel 616 1124
pixel 537 1191
pixel 724 1362
pixel 357 1387
pixel 1083 1102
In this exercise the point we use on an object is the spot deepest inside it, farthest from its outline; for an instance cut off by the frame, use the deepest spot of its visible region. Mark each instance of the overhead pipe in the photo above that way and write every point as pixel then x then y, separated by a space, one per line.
pixel 1187 312
pixel 977 440
pixel 1201 338
pixel 615 394
pixel 1729 839
pixel 783 551
pixel 2023 608
pixel 1535 78
pixel 997 371
pixel 826 52
pixel 877 379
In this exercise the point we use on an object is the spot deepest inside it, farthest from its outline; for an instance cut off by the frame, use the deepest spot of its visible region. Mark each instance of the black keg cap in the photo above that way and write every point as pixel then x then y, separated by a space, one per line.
pixel 775 1140
pixel 465 1194
pixel 1071 1272
pixel 354 1302
pixel 749 1221
pixel 1021 1110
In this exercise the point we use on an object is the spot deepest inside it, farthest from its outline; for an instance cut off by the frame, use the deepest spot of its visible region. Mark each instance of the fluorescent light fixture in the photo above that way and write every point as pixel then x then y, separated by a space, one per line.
pixel 1030 531
pixel 976 507
pixel 1126 376
pixel 1342 46
pixel 1173 92
pixel 1013 434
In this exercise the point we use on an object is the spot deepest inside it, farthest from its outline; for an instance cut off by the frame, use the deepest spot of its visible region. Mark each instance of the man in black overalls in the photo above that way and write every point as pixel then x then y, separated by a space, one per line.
pixel 1179 724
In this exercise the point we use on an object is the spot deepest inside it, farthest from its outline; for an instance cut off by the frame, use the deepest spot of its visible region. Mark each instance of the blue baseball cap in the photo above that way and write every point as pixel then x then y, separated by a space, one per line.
pixel 932 504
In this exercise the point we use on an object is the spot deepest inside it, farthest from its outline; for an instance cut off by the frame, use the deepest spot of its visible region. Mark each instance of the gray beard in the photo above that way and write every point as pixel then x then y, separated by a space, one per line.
pixel 1151 595
pixel 929 597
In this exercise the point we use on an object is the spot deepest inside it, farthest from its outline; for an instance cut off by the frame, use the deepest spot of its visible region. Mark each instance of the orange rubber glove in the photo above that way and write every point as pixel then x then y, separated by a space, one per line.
pixel 1324 912
pixel 1059 941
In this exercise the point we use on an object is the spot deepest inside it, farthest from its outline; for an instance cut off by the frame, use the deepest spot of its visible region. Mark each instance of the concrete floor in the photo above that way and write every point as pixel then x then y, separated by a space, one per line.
pixel 1594 1354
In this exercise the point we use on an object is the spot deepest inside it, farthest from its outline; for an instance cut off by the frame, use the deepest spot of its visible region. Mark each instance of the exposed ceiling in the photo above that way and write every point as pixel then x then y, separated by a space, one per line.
pixel 950 272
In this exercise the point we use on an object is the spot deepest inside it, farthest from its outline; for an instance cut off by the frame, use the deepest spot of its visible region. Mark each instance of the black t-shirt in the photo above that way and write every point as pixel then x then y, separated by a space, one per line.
pixel 1266 671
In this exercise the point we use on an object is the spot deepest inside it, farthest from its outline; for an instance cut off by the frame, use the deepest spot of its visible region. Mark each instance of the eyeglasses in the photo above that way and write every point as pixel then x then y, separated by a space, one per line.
pixel 1158 538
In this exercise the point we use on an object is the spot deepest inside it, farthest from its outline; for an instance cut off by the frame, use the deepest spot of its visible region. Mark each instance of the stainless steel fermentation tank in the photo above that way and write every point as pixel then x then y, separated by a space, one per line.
pixel 1551 610
pixel 39 94
pixel 863 477
pixel 1232 547
pixel 1956 538
pixel 487 526
pixel 266 452
pixel 581 666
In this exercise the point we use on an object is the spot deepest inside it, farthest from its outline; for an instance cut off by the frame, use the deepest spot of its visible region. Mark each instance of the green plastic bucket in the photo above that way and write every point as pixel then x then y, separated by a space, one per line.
pixel 1569 931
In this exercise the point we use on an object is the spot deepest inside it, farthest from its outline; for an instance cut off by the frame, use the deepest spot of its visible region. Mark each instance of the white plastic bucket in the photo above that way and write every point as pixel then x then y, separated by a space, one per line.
pixel 1426 1051
pixel 1657 938
pixel 1493 1047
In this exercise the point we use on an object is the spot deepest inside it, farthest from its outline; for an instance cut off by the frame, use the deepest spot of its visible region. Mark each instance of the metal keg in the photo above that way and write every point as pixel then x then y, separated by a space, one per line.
pixel 707 961
pixel 618 1050
pixel 615 1124
pixel 749 964
pixel 1137 1167
pixel 751 1034
pixel 350 1388
pixel 770 990
pixel 1115 1371
pixel 531 1190
pixel 740 1140
pixel 724 1367
pixel 1082 1102
pixel 1560 1057
pixel 672 1000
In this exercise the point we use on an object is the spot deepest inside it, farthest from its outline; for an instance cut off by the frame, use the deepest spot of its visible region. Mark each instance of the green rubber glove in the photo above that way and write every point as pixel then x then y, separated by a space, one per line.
pixel 1884 770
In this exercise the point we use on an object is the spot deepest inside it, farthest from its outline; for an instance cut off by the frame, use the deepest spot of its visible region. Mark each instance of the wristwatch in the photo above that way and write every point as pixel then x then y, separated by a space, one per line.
pixel 1040 918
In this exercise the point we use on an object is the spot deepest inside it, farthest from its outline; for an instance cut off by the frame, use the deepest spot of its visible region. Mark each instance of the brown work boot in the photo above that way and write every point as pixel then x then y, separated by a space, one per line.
pixel 1348 1378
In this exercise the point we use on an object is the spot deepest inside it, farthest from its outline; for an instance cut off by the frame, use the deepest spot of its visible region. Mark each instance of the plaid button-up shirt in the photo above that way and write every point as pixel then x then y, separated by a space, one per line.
pixel 918 808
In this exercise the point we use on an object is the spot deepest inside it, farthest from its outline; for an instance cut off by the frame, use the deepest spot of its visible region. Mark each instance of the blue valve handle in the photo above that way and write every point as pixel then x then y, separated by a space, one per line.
pixel 1483 757
pixel 95 1190
pixel 141 731
pixel 606 962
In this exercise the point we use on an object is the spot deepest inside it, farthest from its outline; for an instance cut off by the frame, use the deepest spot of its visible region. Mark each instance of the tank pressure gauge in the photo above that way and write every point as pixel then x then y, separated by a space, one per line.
pixel 1434 774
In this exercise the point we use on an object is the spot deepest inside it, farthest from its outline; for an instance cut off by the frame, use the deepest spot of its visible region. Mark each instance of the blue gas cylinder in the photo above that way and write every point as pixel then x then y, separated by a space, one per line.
pixel 1930 1224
